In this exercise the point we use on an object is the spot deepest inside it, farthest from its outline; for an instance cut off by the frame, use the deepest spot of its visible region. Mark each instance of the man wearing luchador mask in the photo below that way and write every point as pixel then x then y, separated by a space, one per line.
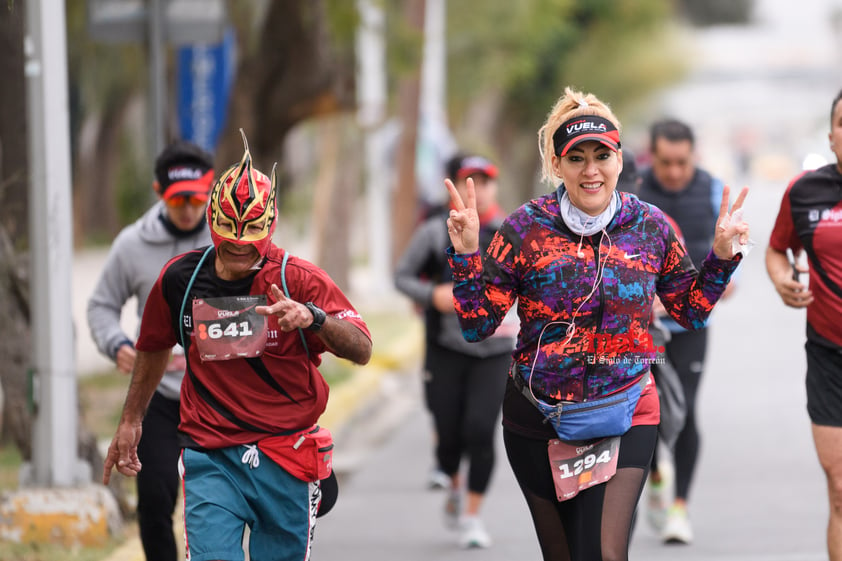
pixel 254 321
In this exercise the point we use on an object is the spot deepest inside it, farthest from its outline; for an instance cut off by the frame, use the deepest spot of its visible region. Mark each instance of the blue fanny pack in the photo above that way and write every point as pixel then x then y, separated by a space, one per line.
pixel 598 418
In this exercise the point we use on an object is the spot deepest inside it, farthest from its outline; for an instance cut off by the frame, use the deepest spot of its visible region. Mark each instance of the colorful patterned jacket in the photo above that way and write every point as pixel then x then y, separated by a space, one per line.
pixel 582 337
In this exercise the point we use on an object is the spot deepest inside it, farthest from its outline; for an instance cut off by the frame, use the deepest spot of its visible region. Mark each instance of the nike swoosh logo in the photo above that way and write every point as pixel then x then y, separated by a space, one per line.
pixel 629 256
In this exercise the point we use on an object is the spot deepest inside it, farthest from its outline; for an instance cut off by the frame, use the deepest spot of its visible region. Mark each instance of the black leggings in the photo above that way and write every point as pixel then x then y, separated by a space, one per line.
pixel 157 482
pixel 595 524
pixel 464 395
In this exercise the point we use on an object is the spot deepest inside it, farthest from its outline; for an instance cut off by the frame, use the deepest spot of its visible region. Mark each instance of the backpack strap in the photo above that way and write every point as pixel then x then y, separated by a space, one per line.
pixel 286 293
pixel 203 392
pixel 187 294
pixel 200 388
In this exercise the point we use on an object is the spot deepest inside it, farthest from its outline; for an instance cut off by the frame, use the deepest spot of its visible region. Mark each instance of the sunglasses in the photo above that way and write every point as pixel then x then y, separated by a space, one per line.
pixel 181 200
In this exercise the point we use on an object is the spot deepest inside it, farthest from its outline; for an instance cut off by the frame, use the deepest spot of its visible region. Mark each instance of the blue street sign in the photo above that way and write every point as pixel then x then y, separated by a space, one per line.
pixel 205 74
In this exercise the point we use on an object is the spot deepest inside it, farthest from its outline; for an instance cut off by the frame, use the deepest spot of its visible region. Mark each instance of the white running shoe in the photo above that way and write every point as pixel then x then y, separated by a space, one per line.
pixel 657 503
pixel 474 533
pixel 677 529
pixel 453 510
pixel 438 480
pixel 659 495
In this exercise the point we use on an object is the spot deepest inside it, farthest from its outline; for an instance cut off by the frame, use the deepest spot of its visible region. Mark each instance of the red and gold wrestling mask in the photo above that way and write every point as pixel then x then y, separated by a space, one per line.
pixel 242 205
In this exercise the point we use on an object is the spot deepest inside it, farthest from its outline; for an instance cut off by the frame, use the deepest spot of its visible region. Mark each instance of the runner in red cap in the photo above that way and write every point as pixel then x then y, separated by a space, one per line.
pixel 183 177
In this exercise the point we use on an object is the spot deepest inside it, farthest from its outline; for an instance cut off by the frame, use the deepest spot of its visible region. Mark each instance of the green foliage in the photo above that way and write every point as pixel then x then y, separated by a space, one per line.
pixel 343 19
pixel 10 462
pixel 133 188
pixel 523 52
pixel 482 53
pixel 102 73
pixel 636 53
pixel 101 397
pixel 617 49
pixel 102 78
pixel 405 44
pixel 54 552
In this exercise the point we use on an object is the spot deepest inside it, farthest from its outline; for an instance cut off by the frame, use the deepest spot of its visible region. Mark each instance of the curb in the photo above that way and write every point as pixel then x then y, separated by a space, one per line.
pixel 365 383
pixel 131 550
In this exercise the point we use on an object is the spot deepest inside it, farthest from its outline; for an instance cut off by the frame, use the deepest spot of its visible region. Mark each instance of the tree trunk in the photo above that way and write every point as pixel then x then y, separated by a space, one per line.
pixel 14 346
pixel 405 201
pixel 14 288
pixel 94 200
pixel 295 73
pixel 333 198
pixel 13 146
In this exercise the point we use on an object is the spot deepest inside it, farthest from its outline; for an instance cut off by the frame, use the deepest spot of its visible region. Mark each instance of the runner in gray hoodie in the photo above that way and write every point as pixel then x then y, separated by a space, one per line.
pixel 174 225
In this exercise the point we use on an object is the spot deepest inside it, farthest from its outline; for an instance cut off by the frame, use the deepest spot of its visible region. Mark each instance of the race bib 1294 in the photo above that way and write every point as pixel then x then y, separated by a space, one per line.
pixel 575 468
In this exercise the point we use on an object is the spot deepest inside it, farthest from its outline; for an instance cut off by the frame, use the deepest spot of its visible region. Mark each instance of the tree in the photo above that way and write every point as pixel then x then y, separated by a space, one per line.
pixel 13 155
pixel 301 67
pixel 622 51
pixel 405 199
pixel 14 288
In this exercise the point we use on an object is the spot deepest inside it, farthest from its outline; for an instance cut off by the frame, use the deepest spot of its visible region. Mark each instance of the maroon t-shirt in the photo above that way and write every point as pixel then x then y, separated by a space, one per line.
pixel 810 218
pixel 241 400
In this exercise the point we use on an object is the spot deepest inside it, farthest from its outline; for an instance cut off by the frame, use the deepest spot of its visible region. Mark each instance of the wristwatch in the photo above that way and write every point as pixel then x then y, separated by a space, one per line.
pixel 319 317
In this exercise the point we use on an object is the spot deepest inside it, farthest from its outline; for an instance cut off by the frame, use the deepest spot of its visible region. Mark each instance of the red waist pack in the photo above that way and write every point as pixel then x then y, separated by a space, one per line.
pixel 307 454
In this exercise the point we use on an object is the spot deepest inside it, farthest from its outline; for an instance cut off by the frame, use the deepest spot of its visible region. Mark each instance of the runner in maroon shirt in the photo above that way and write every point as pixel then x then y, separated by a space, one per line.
pixel 254 322
pixel 810 221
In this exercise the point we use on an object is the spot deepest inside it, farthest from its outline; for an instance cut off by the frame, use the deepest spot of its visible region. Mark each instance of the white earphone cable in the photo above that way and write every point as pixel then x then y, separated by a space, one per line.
pixel 571 325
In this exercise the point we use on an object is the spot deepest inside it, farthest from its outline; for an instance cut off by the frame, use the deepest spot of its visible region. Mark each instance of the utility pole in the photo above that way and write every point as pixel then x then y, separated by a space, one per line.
pixel 404 213
pixel 55 462
pixel 156 45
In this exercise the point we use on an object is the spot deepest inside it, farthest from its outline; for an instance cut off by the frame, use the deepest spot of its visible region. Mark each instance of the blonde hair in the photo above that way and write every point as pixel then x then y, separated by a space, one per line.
pixel 572 104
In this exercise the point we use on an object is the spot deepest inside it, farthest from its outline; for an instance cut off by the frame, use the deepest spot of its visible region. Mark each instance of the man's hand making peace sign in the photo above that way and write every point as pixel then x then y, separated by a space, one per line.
pixel 463 223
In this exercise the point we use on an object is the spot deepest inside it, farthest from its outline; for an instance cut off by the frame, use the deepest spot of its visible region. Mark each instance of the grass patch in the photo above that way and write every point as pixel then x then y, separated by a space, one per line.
pixel 10 462
pixel 101 398
pixel 50 552
pixel 335 370
pixel 389 327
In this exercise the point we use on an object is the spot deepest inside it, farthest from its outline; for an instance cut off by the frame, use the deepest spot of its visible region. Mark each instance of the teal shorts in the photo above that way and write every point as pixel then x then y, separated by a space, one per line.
pixel 223 495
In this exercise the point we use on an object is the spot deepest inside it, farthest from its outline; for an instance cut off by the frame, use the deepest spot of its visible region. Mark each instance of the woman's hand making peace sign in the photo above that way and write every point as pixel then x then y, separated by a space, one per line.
pixel 729 225
pixel 463 223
